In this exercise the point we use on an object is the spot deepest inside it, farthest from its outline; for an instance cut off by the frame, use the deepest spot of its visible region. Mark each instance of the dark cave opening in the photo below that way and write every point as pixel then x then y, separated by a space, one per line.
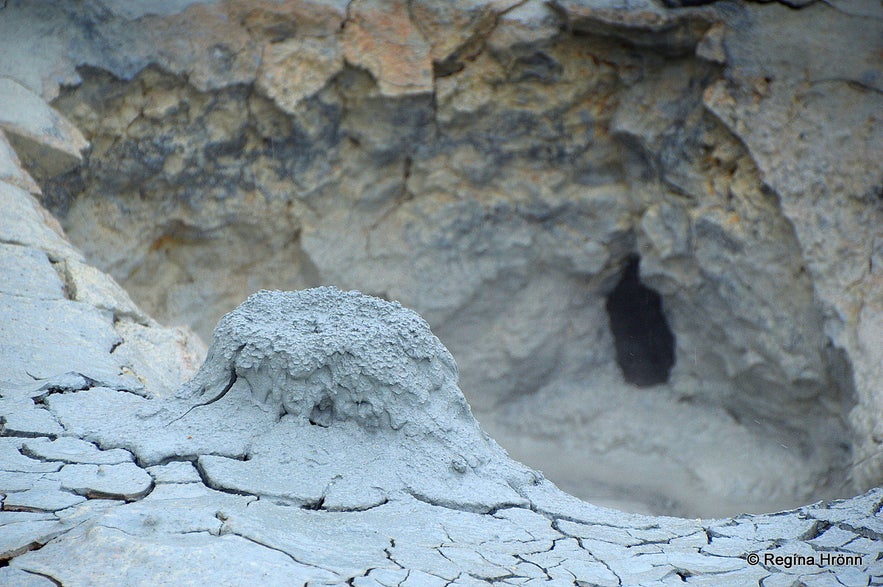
pixel 645 345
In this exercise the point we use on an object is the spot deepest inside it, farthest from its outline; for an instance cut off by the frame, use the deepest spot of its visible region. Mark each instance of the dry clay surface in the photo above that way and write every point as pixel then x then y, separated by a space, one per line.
pixel 495 165
pixel 325 441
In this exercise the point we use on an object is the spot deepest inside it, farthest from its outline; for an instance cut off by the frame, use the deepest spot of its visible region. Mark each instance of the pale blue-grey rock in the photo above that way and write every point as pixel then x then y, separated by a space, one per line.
pixel 45 495
pixel 47 141
pixel 18 578
pixel 19 416
pixel 125 481
pixel 11 170
pixel 168 429
pixel 29 273
pixel 12 481
pixel 23 530
pixel 12 459
pixel 49 337
pixel 94 555
pixel 24 222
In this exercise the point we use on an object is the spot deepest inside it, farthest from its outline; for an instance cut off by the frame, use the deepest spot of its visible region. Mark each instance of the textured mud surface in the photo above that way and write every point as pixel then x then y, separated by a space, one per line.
pixel 325 441
pixel 503 181
pixel 497 167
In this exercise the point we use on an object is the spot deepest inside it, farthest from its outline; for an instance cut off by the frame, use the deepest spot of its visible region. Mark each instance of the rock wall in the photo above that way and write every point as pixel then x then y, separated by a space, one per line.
pixel 60 316
pixel 497 166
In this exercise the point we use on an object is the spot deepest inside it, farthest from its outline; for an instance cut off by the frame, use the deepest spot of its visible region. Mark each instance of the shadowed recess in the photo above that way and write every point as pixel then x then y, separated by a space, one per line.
pixel 645 345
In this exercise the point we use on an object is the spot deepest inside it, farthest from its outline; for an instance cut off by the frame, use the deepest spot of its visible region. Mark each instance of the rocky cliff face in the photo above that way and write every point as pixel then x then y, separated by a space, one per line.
pixel 516 171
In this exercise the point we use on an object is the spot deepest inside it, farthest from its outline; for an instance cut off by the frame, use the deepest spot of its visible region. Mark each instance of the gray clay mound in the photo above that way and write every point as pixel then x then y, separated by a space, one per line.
pixel 364 390
pixel 325 441
pixel 327 356
pixel 317 398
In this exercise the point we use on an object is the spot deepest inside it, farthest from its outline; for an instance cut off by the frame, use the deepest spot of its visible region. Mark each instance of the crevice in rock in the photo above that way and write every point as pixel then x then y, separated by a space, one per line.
pixel 472 509
pixel 313 505
pixel 219 396
pixel 54 388
pixel 6 433
pixel 49 578
pixel 175 459
pixel 322 413
pixel 645 345
pixel 36 544
pixel 203 475
pixel 862 531
pixel 265 545
pixel 817 529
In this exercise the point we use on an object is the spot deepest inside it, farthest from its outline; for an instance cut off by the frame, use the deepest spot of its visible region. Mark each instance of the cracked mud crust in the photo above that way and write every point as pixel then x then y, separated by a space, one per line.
pixel 325 440
pixel 406 491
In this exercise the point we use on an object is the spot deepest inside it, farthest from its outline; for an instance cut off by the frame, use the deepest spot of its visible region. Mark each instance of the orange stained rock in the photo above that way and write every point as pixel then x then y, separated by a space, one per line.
pixel 381 38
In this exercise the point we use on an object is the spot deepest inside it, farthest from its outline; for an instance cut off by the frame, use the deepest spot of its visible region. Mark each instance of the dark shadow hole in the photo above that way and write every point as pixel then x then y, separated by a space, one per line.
pixel 645 345
pixel 322 413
